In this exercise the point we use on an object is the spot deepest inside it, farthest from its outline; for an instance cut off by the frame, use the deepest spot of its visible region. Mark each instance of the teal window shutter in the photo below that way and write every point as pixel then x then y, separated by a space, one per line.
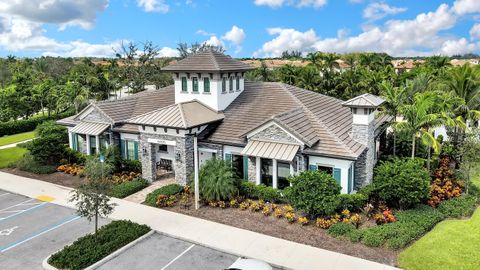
pixel 228 157
pixel 122 149
pixel 350 180
pixel 337 174
pixel 74 141
pixel 135 146
pixel 245 167
pixel 312 167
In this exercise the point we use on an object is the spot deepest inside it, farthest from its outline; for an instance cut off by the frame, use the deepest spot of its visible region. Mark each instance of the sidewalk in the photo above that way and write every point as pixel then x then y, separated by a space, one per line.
pixel 140 196
pixel 13 144
pixel 215 235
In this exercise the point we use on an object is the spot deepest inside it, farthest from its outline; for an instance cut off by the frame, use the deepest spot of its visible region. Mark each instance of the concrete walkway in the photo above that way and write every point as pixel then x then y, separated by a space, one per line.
pixel 13 144
pixel 140 196
pixel 229 239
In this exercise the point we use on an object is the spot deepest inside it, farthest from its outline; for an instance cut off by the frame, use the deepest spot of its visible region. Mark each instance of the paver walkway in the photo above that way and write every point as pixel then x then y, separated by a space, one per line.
pixel 140 196
pixel 13 144
pixel 239 242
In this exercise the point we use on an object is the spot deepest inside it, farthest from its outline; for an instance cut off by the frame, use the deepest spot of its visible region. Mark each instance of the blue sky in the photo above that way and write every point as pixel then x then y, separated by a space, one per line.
pixel 244 27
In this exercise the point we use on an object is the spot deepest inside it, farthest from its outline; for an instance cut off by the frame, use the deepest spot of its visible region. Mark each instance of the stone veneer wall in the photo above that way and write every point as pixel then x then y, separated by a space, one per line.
pixel 252 169
pixel 364 134
pixel 96 116
pixel 274 133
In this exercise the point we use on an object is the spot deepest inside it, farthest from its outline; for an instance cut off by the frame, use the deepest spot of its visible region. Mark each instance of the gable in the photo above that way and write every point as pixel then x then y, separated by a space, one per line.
pixel 92 114
pixel 272 132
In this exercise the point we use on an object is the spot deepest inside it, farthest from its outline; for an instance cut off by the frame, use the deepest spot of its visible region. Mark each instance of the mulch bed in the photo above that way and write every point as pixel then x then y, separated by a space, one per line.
pixel 58 178
pixel 280 228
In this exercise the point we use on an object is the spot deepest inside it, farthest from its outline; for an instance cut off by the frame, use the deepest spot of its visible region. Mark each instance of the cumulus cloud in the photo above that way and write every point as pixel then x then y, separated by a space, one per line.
pixel 296 3
pixel 153 6
pixel 378 10
pixel 167 52
pixel 462 7
pixel 475 31
pixel 419 36
pixel 214 41
pixel 236 35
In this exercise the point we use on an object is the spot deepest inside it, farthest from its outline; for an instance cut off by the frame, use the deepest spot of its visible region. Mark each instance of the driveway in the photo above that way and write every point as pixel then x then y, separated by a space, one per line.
pixel 32 228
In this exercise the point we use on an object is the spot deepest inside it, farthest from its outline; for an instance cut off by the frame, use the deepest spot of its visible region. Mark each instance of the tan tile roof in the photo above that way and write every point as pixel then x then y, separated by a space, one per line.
pixel 208 61
pixel 366 100
pixel 183 115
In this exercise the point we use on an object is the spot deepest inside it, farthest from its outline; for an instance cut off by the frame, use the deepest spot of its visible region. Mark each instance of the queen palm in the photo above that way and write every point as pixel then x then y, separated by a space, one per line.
pixel 394 98
pixel 419 118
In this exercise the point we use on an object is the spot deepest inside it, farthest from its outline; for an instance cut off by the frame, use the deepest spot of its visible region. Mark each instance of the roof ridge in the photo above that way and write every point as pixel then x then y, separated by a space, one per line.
pixel 146 113
pixel 182 115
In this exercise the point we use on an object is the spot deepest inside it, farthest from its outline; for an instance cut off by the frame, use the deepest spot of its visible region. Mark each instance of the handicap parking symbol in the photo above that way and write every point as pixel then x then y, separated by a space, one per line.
pixel 7 232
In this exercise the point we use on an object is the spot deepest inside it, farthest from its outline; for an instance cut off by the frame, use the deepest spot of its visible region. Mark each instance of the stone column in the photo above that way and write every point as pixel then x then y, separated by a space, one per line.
pixel 364 134
pixel 252 169
pixel 274 173
pixel 97 143
pixel 183 159
pixel 147 157
pixel 88 144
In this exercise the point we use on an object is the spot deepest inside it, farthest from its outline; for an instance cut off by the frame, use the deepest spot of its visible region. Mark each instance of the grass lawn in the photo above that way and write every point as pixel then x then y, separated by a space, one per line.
pixel 16 138
pixel 10 155
pixel 452 244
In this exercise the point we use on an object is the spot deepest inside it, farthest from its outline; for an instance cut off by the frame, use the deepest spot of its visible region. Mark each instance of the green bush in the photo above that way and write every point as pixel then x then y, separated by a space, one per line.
pixel 19 126
pixel 132 166
pixel 314 192
pixel 127 188
pixel 340 229
pixel 218 180
pixel 402 183
pixel 90 248
pixel 168 190
pixel 253 191
pixel 463 206
pixel 29 164
pixel 49 147
pixel 352 202
pixel 71 156
pixel 355 236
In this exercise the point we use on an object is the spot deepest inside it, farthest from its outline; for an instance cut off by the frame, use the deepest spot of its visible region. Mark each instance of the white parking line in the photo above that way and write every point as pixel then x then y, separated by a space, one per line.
pixel 4 194
pixel 176 258
pixel 18 204
pixel 18 212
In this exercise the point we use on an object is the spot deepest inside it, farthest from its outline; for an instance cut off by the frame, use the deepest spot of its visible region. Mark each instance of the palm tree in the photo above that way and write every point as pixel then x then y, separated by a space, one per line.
pixel 309 78
pixel 394 98
pixel 329 60
pixel 419 118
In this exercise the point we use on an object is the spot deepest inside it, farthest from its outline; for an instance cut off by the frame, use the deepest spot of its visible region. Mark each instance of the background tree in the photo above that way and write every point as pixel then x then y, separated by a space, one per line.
pixel 394 98
pixel 184 49
pixel 470 156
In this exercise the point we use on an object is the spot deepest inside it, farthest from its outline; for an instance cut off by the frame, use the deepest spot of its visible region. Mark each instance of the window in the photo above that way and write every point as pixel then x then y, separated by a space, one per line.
pixel 206 85
pixel 266 172
pixel 354 110
pixel 326 169
pixel 224 85
pixel 195 84
pixel 163 148
pixel 237 164
pixel 80 147
pixel 230 82
pixel 129 149
pixel 93 145
pixel 283 172
pixel 238 83
pixel 184 84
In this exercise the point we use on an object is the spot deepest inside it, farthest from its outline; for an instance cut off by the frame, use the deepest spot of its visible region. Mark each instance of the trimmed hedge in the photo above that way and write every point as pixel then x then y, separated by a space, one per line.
pixel 463 206
pixel 19 126
pixel 352 202
pixel 340 229
pixel 91 248
pixel 261 192
pixel 29 164
pixel 127 188
pixel 172 189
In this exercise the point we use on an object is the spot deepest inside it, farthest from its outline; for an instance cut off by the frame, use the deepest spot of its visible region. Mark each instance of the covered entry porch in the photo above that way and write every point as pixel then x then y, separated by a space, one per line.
pixel 88 137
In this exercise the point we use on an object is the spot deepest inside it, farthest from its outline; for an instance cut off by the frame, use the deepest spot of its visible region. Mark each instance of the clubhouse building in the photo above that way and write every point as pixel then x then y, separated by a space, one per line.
pixel 268 130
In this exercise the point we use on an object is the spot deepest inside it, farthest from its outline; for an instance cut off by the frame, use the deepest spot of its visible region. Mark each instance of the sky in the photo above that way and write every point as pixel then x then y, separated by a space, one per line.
pixel 245 28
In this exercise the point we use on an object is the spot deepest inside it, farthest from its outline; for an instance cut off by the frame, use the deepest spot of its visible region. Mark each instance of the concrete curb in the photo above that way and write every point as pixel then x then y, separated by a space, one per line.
pixel 112 255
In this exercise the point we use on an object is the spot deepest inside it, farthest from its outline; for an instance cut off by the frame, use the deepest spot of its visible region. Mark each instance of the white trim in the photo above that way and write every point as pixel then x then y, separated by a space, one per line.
pixel 269 124
pixel 274 173
pixel 258 171
pixel 207 150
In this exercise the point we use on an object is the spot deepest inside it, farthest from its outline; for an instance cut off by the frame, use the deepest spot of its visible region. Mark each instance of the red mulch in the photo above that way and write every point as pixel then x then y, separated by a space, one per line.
pixel 58 178
pixel 270 225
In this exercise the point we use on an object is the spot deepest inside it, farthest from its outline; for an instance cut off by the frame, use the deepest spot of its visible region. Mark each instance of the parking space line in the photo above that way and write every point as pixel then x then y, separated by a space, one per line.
pixel 4 194
pixel 35 235
pixel 21 211
pixel 18 204
pixel 178 257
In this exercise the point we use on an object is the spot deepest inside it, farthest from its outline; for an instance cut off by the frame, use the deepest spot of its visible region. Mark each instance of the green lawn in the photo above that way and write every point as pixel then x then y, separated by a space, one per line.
pixel 16 138
pixel 452 244
pixel 10 155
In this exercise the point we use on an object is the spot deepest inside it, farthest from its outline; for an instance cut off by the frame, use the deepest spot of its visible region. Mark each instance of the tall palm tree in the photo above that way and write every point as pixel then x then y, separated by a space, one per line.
pixel 394 98
pixel 420 119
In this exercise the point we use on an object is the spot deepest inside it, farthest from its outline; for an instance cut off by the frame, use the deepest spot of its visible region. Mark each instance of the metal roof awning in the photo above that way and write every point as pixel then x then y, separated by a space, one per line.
pixel 90 128
pixel 272 150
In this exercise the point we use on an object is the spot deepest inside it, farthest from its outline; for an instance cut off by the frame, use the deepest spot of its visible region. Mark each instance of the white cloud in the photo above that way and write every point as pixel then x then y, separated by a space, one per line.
pixel 475 31
pixel 236 35
pixel 214 41
pixel 462 7
pixel 153 6
pixel 82 49
pixel 296 3
pixel 458 46
pixel 378 10
pixel 287 39
pixel 167 52
pixel 203 33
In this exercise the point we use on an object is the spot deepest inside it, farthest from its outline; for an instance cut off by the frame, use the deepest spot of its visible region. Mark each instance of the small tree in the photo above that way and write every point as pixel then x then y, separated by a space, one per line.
pixel 314 192
pixel 92 200
pixel 49 146
pixel 217 180
pixel 469 154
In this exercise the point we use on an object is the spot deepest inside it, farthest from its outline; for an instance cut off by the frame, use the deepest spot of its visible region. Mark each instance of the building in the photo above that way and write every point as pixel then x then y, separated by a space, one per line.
pixel 268 130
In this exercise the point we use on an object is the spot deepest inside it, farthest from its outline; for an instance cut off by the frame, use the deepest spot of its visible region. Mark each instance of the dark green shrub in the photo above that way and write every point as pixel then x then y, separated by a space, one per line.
pixel 314 192
pixel 376 236
pixel 72 156
pixel 355 236
pixel 218 180
pixel 402 183
pixel 49 147
pixel 90 248
pixel 340 229
pixel 169 190
pixel 19 126
pixel 253 191
pixel 29 164
pixel 127 188
pixel 132 166
pixel 352 202
pixel 463 206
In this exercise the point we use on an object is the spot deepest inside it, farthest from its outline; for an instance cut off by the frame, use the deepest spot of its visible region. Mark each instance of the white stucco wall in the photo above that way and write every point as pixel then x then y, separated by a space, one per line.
pixel 360 118
pixel 344 165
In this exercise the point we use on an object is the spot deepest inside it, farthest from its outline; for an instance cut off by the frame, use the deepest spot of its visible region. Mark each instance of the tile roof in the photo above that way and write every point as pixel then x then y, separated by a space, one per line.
pixel 182 115
pixel 366 100
pixel 208 61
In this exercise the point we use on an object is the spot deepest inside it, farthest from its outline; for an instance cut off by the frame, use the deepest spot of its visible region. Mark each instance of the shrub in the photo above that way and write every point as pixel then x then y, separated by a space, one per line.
pixel 266 211
pixel 340 229
pixel 352 202
pixel 29 164
pixel 443 186
pixel 458 207
pixel 127 188
pixel 132 166
pixel 303 221
pixel 218 180
pixel 314 192
pixel 290 217
pixel 262 192
pixel 278 213
pixel 19 126
pixel 355 235
pixel 167 190
pixel 74 157
pixel 91 248
pixel 402 182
